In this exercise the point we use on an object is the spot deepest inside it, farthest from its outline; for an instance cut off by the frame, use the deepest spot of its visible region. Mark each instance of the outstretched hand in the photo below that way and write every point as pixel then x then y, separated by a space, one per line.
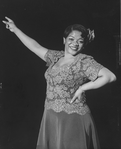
pixel 9 24
pixel 77 95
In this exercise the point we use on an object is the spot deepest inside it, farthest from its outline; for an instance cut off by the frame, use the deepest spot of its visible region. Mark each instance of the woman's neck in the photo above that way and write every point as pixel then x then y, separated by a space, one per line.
pixel 68 56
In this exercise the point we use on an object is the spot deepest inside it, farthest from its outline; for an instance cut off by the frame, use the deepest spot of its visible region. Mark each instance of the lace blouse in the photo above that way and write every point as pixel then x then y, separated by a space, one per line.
pixel 63 81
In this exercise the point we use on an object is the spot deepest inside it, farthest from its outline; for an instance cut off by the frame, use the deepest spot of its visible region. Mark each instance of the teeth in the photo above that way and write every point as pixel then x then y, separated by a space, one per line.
pixel 74 48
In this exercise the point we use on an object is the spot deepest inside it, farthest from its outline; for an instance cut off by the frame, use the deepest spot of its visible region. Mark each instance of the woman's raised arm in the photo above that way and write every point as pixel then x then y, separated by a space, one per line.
pixel 30 43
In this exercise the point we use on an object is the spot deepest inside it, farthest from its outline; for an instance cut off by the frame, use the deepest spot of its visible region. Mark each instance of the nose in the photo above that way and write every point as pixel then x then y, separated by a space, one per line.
pixel 75 43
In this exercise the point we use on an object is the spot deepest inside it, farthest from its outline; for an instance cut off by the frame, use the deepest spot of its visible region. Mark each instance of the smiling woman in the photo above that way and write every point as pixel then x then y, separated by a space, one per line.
pixel 67 121
pixel 74 42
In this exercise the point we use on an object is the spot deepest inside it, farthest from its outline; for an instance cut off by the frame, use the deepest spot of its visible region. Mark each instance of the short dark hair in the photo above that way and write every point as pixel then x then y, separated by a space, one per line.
pixel 79 28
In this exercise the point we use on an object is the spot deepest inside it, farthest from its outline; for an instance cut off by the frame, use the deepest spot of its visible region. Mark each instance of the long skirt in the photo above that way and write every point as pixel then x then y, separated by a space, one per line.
pixel 67 131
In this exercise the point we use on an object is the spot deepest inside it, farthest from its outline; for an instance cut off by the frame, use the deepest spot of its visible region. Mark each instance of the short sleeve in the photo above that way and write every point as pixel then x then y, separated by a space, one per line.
pixel 91 67
pixel 52 56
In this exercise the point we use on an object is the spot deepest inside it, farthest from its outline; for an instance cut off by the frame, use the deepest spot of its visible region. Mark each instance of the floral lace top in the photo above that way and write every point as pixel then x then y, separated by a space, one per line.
pixel 62 82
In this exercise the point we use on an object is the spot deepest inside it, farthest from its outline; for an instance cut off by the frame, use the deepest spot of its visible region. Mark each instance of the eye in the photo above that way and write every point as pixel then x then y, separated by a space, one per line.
pixel 81 41
pixel 71 39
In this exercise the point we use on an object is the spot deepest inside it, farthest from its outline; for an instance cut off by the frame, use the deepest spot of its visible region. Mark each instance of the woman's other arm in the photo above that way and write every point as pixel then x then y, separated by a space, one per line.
pixel 105 76
pixel 30 43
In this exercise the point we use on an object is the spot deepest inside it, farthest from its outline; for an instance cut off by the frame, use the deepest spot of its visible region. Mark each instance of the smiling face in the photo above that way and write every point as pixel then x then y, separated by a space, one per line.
pixel 73 43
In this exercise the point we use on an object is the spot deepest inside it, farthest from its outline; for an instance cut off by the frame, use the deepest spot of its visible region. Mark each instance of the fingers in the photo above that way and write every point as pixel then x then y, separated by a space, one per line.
pixel 76 97
pixel 8 23
pixel 73 99
pixel 9 20
pixel 5 22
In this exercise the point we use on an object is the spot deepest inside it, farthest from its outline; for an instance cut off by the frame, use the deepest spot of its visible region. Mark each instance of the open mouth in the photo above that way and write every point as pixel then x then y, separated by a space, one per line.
pixel 74 48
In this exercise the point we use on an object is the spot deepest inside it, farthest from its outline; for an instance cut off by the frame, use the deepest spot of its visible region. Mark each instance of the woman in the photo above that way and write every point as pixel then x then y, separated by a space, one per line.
pixel 67 122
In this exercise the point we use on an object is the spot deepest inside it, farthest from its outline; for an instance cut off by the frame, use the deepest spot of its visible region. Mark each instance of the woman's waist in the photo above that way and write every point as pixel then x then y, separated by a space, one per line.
pixel 61 93
pixel 59 105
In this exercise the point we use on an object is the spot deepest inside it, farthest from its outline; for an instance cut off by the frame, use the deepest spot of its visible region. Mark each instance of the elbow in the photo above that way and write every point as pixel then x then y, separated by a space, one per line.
pixel 109 78
pixel 112 78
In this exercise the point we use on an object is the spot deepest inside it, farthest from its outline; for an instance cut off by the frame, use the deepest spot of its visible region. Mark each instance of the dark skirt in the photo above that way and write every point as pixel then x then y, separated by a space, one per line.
pixel 67 131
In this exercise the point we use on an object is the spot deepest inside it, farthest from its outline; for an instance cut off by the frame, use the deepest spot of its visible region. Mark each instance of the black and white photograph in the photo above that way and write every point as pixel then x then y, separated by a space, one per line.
pixel 60 74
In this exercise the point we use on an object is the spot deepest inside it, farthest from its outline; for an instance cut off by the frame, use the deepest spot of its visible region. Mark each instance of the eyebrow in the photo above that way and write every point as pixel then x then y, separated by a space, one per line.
pixel 74 37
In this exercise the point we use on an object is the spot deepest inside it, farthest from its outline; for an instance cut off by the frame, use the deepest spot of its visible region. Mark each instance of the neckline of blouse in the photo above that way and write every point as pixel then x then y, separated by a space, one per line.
pixel 68 64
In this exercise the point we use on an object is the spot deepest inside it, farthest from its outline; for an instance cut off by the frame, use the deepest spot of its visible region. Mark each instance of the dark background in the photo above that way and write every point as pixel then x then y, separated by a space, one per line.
pixel 23 88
